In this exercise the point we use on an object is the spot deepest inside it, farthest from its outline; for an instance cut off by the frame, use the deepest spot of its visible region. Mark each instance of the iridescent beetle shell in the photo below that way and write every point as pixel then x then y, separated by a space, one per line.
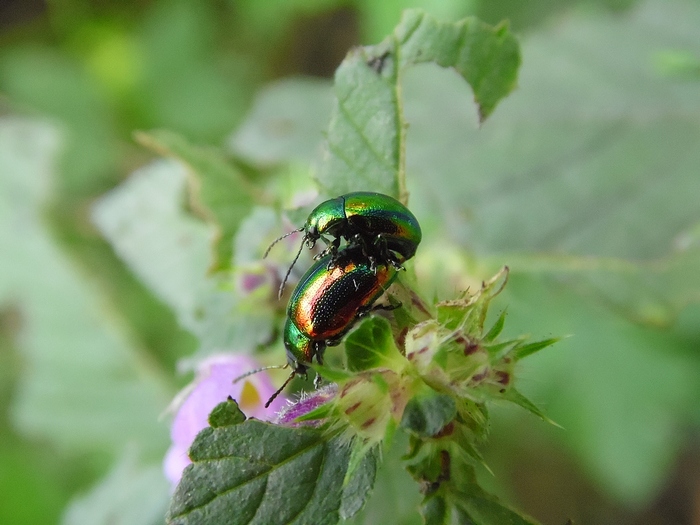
pixel 386 230
pixel 328 301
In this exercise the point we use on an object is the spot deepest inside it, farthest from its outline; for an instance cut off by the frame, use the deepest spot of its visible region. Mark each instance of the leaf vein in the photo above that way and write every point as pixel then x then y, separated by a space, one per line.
pixel 248 480
pixel 320 469
pixel 411 31
pixel 381 158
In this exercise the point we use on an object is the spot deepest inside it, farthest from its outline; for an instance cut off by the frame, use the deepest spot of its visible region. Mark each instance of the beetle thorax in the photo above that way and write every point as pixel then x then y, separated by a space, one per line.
pixel 325 219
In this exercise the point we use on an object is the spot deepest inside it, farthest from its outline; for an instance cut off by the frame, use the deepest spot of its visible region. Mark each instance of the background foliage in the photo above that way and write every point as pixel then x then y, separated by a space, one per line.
pixel 584 181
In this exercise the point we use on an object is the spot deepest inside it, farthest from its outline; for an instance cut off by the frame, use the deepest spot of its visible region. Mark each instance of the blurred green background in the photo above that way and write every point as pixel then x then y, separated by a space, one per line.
pixel 77 77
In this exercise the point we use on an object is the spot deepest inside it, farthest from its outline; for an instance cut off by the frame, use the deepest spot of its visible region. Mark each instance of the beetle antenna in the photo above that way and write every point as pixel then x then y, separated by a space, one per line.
pixel 279 390
pixel 252 372
pixel 281 290
pixel 280 238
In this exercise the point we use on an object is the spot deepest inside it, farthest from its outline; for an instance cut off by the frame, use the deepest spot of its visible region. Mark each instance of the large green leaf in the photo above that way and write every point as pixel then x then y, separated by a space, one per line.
pixel 85 385
pixel 588 169
pixel 587 174
pixel 131 494
pixel 255 472
pixel 218 192
pixel 366 136
pixel 619 390
pixel 286 123
pixel 145 221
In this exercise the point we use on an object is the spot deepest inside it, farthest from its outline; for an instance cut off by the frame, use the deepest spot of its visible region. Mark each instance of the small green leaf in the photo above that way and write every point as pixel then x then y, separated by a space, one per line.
pixel 334 375
pixel 531 348
pixel 502 349
pixel 218 192
pixel 85 384
pixel 371 346
pixel 226 414
pixel 359 479
pixel 262 473
pixel 516 397
pixel 496 329
pixel 428 412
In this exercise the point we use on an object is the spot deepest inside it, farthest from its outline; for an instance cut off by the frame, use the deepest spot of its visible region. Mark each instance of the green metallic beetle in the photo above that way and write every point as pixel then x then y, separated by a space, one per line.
pixel 386 231
pixel 326 304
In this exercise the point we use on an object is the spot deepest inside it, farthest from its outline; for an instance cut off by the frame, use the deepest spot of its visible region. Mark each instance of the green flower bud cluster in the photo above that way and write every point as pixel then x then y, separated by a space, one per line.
pixel 435 381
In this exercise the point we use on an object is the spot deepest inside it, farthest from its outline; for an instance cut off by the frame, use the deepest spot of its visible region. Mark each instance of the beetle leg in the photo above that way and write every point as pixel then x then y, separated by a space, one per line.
pixel 362 312
pixel 319 349
pixel 367 245
pixel 385 307
pixel 395 263
pixel 385 254
pixel 356 240
pixel 332 250
pixel 372 264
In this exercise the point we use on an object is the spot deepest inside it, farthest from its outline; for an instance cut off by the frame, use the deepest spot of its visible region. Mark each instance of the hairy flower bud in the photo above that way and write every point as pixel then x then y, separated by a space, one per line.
pixel 370 400
pixel 306 403
pixel 445 357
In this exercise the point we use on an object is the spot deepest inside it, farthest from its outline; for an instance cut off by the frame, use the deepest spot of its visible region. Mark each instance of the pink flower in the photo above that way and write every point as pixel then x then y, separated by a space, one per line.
pixel 212 385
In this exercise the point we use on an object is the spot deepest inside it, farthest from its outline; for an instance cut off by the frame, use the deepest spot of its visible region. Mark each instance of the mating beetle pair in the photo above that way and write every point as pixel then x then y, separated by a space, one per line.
pixel 343 284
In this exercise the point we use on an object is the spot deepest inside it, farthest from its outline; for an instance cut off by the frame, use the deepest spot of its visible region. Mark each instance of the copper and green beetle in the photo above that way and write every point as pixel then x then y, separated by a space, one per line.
pixel 326 304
